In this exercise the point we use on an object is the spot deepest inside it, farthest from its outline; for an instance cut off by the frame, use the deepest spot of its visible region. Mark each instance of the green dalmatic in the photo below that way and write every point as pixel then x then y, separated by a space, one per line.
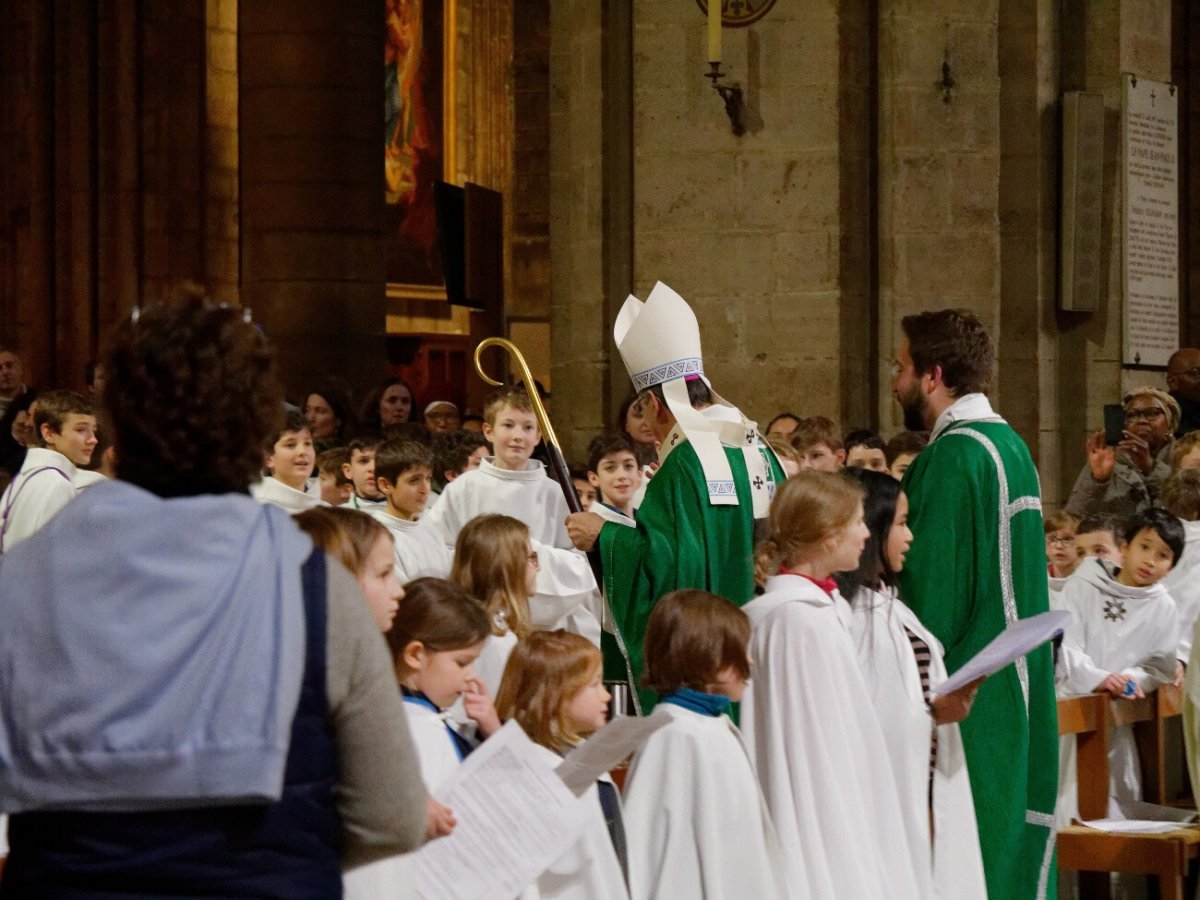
pixel 977 564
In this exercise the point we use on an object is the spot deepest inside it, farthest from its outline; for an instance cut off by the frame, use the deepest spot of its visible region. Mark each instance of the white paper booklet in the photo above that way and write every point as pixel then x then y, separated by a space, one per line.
pixel 605 749
pixel 515 817
pixel 1018 639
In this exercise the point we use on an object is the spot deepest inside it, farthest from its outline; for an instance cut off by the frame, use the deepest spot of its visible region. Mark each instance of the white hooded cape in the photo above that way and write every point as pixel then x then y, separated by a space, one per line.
pixel 878 622
pixel 695 820
pixel 818 748
pixel 1113 628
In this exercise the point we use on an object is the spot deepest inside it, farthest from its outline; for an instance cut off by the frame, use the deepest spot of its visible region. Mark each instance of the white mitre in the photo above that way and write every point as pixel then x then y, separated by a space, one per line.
pixel 659 342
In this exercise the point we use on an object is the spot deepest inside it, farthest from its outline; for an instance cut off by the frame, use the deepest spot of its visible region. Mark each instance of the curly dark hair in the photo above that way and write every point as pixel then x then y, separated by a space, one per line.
pixel 955 340
pixel 192 396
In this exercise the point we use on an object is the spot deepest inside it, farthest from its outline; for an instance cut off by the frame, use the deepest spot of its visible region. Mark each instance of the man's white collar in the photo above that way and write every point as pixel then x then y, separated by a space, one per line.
pixel 968 407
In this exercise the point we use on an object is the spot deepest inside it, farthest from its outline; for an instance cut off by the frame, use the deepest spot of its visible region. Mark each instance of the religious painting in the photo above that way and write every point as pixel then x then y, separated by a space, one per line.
pixel 416 142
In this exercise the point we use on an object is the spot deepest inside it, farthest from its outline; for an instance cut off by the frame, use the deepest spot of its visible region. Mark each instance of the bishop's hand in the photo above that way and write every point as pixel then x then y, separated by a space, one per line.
pixel 583 528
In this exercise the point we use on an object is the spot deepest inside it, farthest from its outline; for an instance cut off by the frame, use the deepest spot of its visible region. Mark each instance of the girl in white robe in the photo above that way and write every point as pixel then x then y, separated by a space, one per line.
pixel 695 818
pixel 553 688
pixel 935 793
pixel 495 561
pixel 808 719
pixel 438 634
pixel 567 595
pixel 1122 639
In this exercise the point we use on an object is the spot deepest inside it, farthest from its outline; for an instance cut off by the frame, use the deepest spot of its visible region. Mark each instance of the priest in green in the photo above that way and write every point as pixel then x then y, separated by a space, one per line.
pixel 695 527
pixel 978 564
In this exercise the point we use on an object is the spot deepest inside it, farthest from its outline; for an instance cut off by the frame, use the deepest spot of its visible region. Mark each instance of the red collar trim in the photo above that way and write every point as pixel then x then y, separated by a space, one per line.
pixel 828 585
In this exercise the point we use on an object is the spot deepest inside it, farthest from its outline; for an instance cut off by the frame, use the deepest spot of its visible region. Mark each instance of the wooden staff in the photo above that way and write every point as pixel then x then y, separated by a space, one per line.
pixel 558 463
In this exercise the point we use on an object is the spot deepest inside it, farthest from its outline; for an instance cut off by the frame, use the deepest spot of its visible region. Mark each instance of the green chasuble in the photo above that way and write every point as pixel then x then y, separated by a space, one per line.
pixel 681 541
pixel 978 563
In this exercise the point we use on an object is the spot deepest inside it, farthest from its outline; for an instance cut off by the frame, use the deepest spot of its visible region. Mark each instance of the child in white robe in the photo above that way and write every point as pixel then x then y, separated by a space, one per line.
pixel 1121 640
pixel 1062 557
pixel 494 561
pixel 1180 496
pixel 514 484
pixel 436 639
pixel 614 473
pixel 808 719
pixel 901 661
pixel 553 688
pixel 64 439
pixel 290 459
pixel 403 470
pixel 695 819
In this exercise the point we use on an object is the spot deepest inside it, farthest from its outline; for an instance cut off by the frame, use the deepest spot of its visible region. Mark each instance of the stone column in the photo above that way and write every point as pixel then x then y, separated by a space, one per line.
pixel 312 256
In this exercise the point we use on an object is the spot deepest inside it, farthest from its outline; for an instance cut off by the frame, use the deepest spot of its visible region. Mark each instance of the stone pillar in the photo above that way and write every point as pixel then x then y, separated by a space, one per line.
pixel 222 216
pixel 1102 39
pixel 312 256
pixel 579 321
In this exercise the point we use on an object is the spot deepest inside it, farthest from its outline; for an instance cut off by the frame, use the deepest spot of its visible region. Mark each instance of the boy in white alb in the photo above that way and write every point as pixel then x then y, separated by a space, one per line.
pixel 512 484
pixel 402 473
pixel 290 458
pixel 1121 639
pixel 614 473
pixel 454 453
pixel 65 436
pixel 1180 496
pixel 361 472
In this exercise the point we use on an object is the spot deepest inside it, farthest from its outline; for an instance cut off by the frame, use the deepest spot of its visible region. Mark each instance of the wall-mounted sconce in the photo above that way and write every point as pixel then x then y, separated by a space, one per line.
pixel 729 13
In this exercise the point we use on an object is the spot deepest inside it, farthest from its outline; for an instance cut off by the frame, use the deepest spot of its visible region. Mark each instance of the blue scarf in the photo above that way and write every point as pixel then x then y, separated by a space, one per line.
pixel 462 746
pixel 698 701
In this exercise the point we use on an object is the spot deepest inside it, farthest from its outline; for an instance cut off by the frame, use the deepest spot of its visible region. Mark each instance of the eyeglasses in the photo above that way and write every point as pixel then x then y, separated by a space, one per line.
pixel 533 560
pixel 1192 373
pixel 1061 540
pixel 1147 414
pixel 442 416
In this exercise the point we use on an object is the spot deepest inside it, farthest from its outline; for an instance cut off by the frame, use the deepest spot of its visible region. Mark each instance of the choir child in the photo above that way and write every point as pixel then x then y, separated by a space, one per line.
pixel 494 561
pixel 336 488
pixel 1062 554
pixel 63 442
pixel 514 484
pixel 403 470
pixel 553 688
pixel 614 474
pixel 290 458
pixel 696 821
pixel 901 661
pixel 1099 536
pixel 809 722
pixel 1121 640
pixel 361 472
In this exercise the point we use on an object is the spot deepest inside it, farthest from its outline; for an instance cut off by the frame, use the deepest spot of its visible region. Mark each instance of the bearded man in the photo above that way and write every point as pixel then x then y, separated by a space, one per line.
pixel 977 565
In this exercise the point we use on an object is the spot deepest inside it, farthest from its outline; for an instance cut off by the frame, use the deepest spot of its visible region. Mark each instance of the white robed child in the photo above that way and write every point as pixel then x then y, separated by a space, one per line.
pixel 64 440
pixel 403 474
pixel 615 476
pixel 1121 640
pixel 1062 555
pixel 901 661
pixel 435 641
pixel 808 719
pixel 695 819
pixel 1180 495
pixel 554 690
pixel 289 460
pixel 494 561
pixel 513 484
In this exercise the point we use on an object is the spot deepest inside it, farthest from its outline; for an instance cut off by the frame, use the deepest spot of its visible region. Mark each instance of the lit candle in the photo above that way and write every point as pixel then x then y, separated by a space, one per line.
pixel 714 30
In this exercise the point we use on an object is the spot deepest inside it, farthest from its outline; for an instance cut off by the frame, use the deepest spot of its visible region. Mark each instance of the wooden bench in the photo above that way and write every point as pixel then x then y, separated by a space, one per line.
pixel 1093 853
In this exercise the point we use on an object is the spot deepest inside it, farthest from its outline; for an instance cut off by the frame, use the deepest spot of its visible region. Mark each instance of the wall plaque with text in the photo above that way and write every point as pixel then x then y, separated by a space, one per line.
pixel 1150 250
